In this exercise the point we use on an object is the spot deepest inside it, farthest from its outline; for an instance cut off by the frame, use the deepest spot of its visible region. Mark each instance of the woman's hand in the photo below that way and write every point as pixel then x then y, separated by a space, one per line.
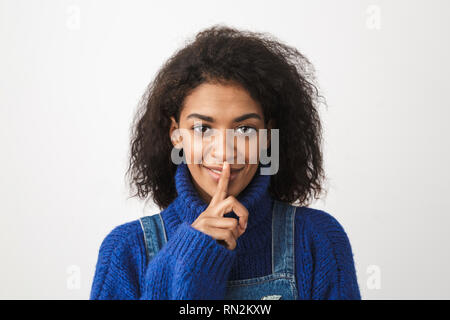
pixel 211 221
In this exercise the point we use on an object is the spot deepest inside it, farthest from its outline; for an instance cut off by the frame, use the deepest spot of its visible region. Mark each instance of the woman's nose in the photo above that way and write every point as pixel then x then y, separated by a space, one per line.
pixel 223 147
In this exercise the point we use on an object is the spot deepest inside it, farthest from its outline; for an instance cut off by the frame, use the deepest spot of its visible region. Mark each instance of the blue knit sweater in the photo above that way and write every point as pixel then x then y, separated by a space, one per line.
pixel 192 265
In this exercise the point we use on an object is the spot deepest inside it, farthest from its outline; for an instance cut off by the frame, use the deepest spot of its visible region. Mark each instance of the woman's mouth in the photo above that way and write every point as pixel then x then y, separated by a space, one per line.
pixel 215 172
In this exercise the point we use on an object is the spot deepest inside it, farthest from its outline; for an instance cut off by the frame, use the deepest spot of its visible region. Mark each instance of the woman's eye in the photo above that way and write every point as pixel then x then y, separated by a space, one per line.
pixel 199 129
pixel 246 130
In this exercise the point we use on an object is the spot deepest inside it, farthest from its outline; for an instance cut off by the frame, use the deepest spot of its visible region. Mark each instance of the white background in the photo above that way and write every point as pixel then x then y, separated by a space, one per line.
pixel 72 73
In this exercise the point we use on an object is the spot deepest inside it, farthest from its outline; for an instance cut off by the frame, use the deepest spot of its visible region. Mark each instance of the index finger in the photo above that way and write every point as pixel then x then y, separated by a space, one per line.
pixel 222 186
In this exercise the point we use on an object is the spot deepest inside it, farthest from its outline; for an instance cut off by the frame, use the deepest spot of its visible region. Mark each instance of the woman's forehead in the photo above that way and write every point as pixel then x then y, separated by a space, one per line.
pixel 220 102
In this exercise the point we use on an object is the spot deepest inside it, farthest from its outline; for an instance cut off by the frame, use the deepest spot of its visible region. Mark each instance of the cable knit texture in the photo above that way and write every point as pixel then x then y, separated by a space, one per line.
pixel 192 265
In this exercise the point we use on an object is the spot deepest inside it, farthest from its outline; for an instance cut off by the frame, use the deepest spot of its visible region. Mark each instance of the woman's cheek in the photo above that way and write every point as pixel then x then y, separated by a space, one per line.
pixel 193 147
pixel 249 151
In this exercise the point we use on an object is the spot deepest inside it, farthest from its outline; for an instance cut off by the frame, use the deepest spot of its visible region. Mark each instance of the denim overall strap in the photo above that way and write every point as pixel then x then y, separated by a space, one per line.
pixel 154 234
pixel 283 256
pixel 281 283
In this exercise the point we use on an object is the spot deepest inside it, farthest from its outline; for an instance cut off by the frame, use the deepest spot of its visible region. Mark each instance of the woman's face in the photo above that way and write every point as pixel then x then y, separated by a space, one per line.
pixel 207 113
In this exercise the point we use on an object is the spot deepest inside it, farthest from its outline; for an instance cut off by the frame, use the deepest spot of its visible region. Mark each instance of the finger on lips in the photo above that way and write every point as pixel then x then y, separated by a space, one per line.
pixel 226 230
pixel 222 186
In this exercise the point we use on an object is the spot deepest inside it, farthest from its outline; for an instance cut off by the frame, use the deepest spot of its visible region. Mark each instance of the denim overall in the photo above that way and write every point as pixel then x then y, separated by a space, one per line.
pixel 280 284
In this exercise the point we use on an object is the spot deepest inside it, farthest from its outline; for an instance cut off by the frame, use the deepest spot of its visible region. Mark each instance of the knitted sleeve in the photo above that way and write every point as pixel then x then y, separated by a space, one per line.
pixel 191 265
pixel 334 273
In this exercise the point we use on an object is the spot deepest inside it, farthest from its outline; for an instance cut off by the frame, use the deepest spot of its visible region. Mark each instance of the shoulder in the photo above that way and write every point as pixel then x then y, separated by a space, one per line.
pixel 333 255
pixel 324 237
pixel 324 259
pixel 121 258
pixel 321 224
pixel 330 253
pixel 123 240
pixel 122 233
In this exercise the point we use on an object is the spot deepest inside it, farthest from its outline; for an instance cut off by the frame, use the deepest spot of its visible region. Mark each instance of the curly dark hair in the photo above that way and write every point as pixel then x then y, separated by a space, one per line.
pixel 277 76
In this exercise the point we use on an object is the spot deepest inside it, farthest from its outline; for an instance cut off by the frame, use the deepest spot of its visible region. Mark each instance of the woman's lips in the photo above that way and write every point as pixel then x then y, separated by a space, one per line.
pixel 216 175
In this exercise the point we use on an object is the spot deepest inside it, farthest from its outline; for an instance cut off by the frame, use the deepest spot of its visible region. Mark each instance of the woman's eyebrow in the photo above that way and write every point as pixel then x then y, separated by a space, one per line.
pixel 238 119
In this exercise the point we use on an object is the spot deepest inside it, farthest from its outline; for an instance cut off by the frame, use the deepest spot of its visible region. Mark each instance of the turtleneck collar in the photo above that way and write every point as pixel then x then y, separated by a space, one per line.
pixel 255 197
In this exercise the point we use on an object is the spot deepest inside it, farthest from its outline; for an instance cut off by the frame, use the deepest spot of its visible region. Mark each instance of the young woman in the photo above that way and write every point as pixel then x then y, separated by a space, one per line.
pixel 226 230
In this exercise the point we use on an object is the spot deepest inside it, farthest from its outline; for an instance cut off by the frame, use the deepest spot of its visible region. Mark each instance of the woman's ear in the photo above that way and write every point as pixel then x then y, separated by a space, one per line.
pixel 175 134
